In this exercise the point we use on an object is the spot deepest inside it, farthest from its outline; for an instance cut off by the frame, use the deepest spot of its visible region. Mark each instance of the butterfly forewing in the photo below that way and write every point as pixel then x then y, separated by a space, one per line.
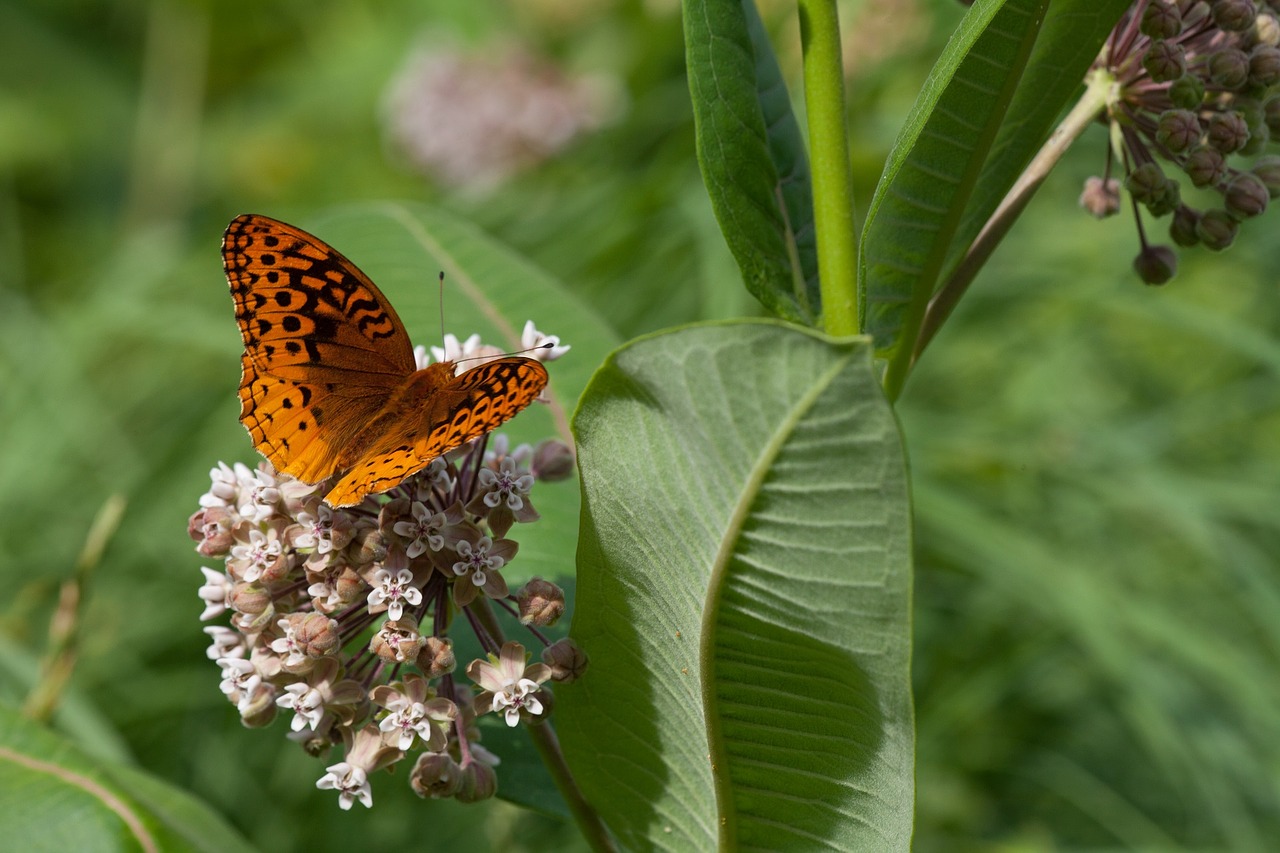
pixel 306 312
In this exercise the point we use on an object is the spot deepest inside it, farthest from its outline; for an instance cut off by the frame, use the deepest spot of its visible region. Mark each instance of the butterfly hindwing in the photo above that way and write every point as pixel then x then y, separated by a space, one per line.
pixel 461 410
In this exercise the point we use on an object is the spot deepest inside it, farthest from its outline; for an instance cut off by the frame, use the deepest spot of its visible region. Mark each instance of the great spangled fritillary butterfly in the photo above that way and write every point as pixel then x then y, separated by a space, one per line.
pixel 329 383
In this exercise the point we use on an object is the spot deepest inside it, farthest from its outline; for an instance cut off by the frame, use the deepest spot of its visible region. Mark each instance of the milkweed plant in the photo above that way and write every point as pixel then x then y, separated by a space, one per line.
pixel 744 551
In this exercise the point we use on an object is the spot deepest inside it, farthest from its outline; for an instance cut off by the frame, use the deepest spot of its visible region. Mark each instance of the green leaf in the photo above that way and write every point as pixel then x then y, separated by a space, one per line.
pixel 55 797
pixel 988 104
pixel 489 290
pixel 752 155
pixel 743 595
pixel 1069 41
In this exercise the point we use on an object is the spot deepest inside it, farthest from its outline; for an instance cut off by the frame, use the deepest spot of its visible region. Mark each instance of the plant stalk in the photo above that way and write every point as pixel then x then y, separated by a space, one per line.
pixel 829 162
pixel 587 818
pixel 59 660
pixel 1098 94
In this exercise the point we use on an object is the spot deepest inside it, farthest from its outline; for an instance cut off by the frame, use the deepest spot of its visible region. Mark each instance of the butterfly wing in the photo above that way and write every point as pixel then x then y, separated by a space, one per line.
pixel 323 348
pixel 462 409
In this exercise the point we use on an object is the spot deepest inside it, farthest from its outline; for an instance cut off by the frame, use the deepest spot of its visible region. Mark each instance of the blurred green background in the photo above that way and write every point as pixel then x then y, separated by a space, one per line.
pixel 1096 464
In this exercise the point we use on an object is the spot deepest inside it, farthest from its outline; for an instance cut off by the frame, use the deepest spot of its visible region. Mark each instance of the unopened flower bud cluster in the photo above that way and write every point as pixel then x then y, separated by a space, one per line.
pixel 1194 105
pixel 340 618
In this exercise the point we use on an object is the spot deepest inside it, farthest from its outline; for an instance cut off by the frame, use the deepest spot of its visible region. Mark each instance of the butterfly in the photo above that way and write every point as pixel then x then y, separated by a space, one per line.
pixel 329 385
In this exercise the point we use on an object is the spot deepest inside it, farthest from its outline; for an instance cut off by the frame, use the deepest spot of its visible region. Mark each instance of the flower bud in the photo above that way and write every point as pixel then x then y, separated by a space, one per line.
pixel 397 641
pixel 1166 200
pixel 368 545
pixel 1216 229
pixel 1165 61
pixel 1271 114
pixel 1228 132
pixel 479 782
pixel 1246 196
pixel 541 603
pixel 567 661
pixel 1187 92
pixel 1145 183
pixel 436 658
pixel 435 775
pixel 1229 68
pixel 1205 166
pixel 249 599
pixel 1194 13
pixel 211 527
pixel 1156 264
pixel 1234 15
pixel 1100 198
pixel 1266 29
pixel 1178 130
pixel 315 634
pixel 1182 230
pixel 1264 66
pixel 552 461
pixel 1259 136
pixel 1268 171
pixel 1161 20
pixel 260 710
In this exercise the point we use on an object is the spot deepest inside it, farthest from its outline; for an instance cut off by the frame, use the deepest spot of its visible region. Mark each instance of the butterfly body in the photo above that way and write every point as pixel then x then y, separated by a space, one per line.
pixel 329 383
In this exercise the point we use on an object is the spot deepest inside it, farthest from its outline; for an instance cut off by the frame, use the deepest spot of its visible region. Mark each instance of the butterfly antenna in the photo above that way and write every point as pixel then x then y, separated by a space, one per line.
pixel 441 300
pixel 547 345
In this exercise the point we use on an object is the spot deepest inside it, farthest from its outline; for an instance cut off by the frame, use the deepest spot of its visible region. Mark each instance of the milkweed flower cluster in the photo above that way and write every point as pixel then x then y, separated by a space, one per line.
pixel 340 619
pixel 1192 91
pixel 473 121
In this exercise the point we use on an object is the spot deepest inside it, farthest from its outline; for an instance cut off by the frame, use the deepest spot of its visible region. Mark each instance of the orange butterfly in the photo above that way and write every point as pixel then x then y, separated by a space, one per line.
pixel 329 383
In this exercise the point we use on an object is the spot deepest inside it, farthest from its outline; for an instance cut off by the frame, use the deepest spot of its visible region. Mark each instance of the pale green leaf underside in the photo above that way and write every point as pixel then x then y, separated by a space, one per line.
pixel 743 593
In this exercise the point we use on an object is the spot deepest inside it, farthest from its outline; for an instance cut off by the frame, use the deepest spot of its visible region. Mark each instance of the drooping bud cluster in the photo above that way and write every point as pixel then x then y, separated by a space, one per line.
pixel 1194 93
pixel 342 616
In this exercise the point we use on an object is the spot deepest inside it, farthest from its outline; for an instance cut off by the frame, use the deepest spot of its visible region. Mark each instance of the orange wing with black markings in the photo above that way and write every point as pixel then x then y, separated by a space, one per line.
pixel 328 383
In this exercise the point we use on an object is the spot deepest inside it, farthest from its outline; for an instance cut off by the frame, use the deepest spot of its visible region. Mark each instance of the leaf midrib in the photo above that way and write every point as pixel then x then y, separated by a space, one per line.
pixel 719 571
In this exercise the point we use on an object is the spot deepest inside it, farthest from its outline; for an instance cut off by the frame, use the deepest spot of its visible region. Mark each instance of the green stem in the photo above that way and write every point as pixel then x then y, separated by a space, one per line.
pixel 588 820
pixel 829 161
pixel 1096 98
pixel 65 628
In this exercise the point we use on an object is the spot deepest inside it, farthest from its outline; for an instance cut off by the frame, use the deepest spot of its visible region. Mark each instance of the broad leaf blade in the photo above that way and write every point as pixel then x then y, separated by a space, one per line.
pixel 743 593
pixel 54 797
pixel 928 207
pixel 936 161
pixel 1073 34
pixel 733 81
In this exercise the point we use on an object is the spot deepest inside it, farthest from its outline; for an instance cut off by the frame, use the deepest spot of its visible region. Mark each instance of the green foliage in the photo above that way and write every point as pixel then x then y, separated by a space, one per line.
pixel 988 104
pixel 743 592
pixel 752 156
pixel 56 797
pixel 1095 464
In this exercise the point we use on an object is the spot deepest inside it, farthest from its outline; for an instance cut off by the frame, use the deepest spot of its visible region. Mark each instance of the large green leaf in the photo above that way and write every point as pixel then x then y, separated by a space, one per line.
pixel 752 155
pixel 55 797
pixel 987 106
pixel 743 593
